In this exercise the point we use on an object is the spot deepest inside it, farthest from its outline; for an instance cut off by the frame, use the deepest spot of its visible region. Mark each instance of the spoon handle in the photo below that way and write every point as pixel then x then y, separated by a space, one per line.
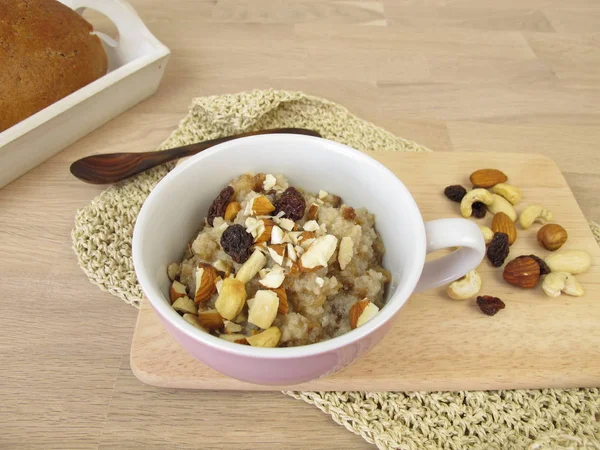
pixel 113 167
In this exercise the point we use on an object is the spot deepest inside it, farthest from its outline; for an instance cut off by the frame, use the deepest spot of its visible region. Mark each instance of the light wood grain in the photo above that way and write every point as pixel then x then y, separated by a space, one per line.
pixel 512 75
pixel 437 343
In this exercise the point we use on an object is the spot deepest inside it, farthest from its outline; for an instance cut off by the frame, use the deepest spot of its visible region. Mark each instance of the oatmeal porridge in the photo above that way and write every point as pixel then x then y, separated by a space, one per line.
pixel 275 266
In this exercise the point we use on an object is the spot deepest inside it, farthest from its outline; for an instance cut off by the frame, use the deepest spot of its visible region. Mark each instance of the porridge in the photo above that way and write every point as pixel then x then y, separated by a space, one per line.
pixel 274 266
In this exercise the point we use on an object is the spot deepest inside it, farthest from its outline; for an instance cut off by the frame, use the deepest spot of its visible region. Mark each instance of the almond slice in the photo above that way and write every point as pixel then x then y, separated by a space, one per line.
pixel 361 312
pixel 193 319
pixel 222 267
pixel 287 224
pixel 319 252
pixel 211 319
pixel 270 182
pixel 251 267
pixel 311 225
pixel 177 290
pixel 233 208
pixel 346 252
pixel 294 236
pixel 264 309
pixel 323 194
pixel 274 278
pixel 173 271
pixel 268 225
pixel 232 298
pixel 276 235
pixel 261 205
pixel 291 252
pixel 205 282
pixel 232 327
pixel 283 300
pixel 185 305
pixel 313 212
pixel 277 252
pixel 254 227
pixel 268 338
pixel 233 337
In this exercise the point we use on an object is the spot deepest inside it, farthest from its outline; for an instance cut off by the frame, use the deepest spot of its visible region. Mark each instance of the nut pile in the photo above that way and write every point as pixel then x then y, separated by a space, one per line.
pixel 265 249
pixel 491 193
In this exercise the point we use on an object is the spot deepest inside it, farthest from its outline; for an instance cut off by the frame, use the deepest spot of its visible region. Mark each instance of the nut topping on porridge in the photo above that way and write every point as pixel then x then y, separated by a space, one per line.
pixel 277 266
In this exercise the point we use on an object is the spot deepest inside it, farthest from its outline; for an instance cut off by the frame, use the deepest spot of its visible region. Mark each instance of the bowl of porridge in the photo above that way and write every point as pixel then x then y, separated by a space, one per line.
pixel 278 259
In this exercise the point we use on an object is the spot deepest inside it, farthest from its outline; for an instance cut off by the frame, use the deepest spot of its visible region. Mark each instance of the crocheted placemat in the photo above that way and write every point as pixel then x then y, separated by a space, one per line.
pixel 536 419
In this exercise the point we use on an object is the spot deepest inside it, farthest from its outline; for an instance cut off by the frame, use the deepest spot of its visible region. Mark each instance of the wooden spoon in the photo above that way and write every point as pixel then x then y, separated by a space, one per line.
pixel 113 167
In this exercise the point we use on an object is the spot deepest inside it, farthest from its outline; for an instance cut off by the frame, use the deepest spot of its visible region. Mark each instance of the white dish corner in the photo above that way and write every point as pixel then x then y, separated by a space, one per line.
pixel 136 61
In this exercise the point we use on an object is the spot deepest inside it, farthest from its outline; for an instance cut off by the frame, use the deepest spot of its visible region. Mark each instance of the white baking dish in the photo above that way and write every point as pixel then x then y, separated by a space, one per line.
pixel 136 63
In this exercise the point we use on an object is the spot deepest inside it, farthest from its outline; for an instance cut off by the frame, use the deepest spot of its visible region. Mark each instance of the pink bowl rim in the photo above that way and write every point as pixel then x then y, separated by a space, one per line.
pixel 387 313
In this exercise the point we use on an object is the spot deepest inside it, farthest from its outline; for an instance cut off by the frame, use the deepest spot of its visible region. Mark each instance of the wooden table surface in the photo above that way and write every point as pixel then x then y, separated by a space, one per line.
pixel 455 75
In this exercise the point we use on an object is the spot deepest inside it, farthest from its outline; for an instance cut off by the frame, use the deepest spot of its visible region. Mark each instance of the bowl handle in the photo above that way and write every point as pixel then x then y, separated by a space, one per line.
pixel 445 233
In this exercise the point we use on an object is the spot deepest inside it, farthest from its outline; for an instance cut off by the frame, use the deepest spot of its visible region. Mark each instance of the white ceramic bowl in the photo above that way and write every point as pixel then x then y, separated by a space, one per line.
pixel 177 206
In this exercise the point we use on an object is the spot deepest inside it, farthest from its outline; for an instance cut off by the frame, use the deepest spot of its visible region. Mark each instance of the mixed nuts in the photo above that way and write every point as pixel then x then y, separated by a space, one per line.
pixel 491 193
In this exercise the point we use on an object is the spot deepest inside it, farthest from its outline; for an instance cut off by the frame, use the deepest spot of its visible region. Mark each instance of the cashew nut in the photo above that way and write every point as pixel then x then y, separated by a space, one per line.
pixel 487 233
pixel 476 195
pixel 557 282
pixel 500 204
pixel 465 287
pixel 508 191
pixel 571 261
pixel 534 213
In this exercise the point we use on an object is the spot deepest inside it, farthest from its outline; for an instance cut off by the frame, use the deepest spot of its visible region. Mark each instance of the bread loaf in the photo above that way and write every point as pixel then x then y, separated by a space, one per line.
pixel 46 52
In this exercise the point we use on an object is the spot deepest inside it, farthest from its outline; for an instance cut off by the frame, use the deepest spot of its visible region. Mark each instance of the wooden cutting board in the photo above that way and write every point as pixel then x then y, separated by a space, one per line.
pixel 438 343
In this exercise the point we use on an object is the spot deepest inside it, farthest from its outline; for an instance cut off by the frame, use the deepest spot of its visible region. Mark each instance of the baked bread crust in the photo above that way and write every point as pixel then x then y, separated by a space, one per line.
pixel 46 53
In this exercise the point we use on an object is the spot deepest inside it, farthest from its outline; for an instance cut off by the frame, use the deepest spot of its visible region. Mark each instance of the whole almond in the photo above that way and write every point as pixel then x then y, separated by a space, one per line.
pixel 501 223
pixel 552 236
pixel 523 272
pixel 486 178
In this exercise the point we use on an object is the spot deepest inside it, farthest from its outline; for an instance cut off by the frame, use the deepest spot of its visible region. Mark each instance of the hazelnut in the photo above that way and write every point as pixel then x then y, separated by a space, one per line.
pixel 552 236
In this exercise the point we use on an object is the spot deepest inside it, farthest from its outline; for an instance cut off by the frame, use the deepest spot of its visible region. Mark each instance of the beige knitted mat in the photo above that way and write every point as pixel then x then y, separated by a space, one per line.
pixel 534 419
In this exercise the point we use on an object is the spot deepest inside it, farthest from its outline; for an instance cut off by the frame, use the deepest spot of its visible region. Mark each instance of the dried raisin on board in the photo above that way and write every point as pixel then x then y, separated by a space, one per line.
pixel 292 204
pixel 219 204
pixel 236 242
pixel 497 250
pixel 455 192
pixel 544 269
pixel 479 210
pixel 490 305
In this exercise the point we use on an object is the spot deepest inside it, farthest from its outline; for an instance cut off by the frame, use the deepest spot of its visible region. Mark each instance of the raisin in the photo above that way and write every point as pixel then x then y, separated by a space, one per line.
pixel 497 250
pixel 479 210
pixel 349 213
pixel 219 204
pixel 292 204
pixel 490 305
pixel 455 192
pixel 544 269
pixel 236 242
